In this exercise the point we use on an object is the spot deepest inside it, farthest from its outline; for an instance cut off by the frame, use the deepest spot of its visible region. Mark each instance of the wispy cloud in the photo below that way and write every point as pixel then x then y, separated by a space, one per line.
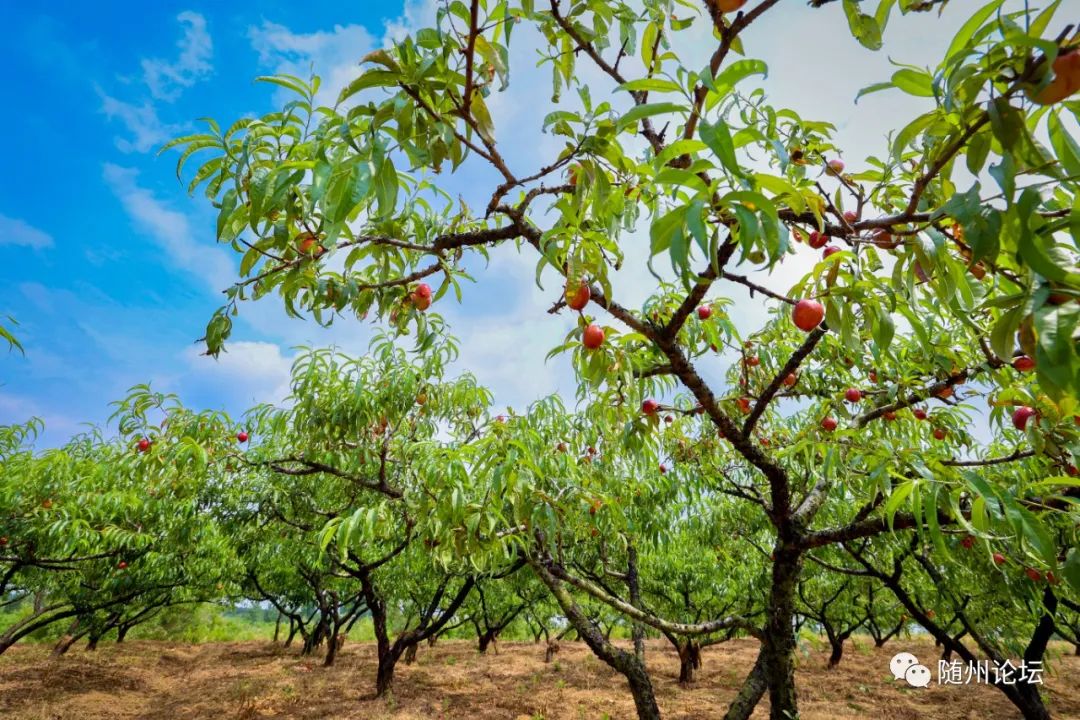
pixel 166 79
pixel 14 231
pixel 146 130
pixel 170 229
pixel 415 14
pixel 334 55
pixel 245 374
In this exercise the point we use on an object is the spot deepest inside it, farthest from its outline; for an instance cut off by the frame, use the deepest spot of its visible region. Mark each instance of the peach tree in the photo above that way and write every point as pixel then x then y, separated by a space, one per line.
pixel 356 474
pixel 104 533
pixel 948 269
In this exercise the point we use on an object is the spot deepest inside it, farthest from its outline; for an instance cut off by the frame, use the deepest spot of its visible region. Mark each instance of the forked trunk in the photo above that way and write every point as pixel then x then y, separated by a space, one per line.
pixel 689 660
pixel 626 663
pixel 384 678
pixel 486 640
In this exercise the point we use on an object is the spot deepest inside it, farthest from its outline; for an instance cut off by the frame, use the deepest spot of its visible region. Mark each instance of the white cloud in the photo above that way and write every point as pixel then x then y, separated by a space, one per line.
pixel 247 373
pixel 333 55
pixel 146 129
pixel 19 409
pixel 167 80
pixel 14 231
pixel 415 14
pixel 170 229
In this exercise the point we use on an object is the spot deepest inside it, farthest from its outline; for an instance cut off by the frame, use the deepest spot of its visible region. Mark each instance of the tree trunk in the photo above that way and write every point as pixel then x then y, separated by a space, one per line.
pixel 92 642
pixel 384 678
pixel 837 645
pixel 779 645
pixel 68 639
pixel 277 627
pixel 30 624
pixel 487 639
pixel 332 648
pixel 1025 696
pixel 628 664
pixel 633 584
pixel 689 660
pixel 410 654
pixel 121 633
pixel 751 692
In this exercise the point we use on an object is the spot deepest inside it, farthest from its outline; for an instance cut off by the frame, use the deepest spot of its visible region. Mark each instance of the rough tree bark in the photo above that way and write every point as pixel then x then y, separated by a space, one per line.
pixel 389 653
pixel 628 664
pixel 633 584
pixel 689 660
pixel 751 692
pixel 779 643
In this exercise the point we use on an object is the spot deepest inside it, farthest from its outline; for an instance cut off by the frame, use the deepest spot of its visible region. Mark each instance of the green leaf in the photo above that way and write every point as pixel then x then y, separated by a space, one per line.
pixel 1071 569
pixel 648 40
pixel 1034 247
pixel 664 228
pixel 978 149
pixel 480 113
pixel 1064 144
pixel 289 82
pixel 386 188
pixel 640 112
pixel 650 84
pixel 1007 123
pixel 1001 336
pixel 718 137
pixel 864 27
pixel 10 338
pixel 899 495
pixel 1036 533
pixel 370 79
pixel 884 329
pixel 914 82
pixel 320 177
pixel 737 72
pixel 876 87
pixel 348 191
pixel 968 29
pixel 1057 362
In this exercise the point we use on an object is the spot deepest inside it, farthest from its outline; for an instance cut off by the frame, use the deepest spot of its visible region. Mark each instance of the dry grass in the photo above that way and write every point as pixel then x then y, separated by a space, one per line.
pixel 248 681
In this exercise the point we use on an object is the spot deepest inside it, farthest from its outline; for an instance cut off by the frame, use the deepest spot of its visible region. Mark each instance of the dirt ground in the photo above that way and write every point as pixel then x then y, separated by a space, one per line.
pixel 246 681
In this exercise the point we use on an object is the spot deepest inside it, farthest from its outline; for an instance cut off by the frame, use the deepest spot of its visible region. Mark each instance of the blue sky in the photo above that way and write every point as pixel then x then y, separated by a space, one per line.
pixel 112 270
pixel 101 303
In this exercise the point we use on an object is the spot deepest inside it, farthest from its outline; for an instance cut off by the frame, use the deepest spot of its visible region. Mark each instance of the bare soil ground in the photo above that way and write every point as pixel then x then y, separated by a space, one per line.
pixel 247 681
